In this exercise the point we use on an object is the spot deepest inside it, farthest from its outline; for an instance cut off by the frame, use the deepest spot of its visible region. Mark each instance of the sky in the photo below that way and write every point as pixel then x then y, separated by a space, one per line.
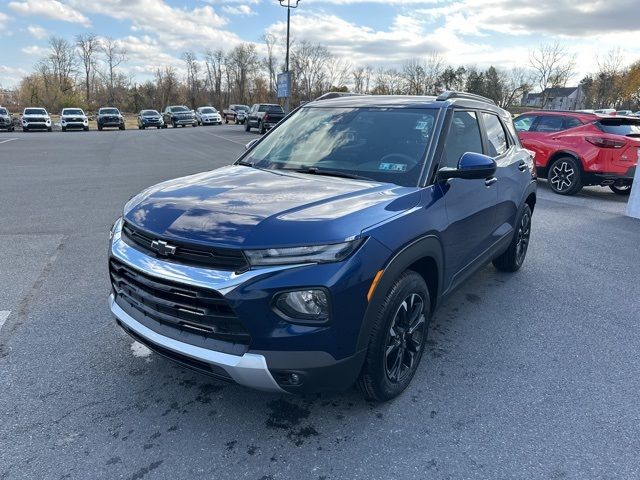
pixel 365 32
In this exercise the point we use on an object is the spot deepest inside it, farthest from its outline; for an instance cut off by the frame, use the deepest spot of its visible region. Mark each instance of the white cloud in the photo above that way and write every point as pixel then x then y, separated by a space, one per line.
pixel 176 28
pixel 37 31
pixel 35 50
pixel 238 10
pixel 50 9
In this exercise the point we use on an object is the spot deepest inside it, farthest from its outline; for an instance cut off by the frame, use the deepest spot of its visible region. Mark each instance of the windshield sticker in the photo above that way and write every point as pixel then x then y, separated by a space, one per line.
pixel 421 125
pixel 393 167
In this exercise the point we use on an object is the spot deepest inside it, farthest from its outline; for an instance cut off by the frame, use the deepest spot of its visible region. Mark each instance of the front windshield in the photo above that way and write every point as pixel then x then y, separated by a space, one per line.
pixel 35 111
pixel 109 111
pixel 382 144
pixel 72 111
pixel 244 108
pixel 208 110
pixel 180 109
pixel 150 113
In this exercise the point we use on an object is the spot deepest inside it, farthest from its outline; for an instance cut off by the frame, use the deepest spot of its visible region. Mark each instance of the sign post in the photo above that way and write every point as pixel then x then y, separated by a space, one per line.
pixel 284 88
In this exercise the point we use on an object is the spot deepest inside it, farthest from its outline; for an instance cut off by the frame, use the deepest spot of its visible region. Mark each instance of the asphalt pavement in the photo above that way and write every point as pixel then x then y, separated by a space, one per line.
pixel 533 375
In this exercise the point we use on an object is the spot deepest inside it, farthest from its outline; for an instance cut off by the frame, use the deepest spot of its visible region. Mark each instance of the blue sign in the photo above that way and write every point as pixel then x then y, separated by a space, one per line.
pixel 284 85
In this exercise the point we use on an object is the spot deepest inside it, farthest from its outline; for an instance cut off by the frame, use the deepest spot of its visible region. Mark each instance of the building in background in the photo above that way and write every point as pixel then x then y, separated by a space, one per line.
pixel 561 98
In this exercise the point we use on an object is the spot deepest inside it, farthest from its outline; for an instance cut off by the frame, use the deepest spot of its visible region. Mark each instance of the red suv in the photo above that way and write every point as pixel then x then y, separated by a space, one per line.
pixel 575 149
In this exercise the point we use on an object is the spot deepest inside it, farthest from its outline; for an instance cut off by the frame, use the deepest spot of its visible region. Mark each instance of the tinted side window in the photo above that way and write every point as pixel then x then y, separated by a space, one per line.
pixel 547 124
pixel 463 136
pixel 570 122
pixel 496 135
pixel 523 124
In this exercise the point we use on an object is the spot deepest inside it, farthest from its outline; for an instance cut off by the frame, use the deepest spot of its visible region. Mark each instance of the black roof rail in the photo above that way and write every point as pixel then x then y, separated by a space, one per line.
pixel 330 95
pixel 450 94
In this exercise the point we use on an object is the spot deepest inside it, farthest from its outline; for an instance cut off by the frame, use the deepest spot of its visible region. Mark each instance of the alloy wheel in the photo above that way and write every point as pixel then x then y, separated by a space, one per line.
pixel 405 338
pixel 524 232
pixel 562 176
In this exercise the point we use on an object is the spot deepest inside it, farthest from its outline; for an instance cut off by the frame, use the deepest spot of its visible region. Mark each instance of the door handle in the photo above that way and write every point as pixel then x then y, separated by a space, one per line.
pixel 522 166
pixel 490 181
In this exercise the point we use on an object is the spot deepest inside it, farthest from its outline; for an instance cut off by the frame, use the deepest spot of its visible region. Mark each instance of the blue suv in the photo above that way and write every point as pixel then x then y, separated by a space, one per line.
pixel 318 258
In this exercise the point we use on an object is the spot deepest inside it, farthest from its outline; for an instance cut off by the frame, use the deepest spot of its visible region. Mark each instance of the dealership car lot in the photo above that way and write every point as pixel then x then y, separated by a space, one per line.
pixel 531 375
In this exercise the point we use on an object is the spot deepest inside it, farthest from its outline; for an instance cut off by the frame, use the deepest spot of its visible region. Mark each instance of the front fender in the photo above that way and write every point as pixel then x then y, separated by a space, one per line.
pixel 425 247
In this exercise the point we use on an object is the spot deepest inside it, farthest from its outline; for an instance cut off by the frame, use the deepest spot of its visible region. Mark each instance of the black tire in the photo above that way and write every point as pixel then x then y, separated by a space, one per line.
pixel 164 126
pixel 25 129
pixel 513 258
pixel 226 119
pixel 86 129
pixel 401 322
pixel 11 129
pixel 99 127
pixel 121 127
pixel 247 128
pixel 194 125
pixel 262 128
pixel 49 129
pixel 565 176
pixel 64 129
pixel 173 124
pixel 623 190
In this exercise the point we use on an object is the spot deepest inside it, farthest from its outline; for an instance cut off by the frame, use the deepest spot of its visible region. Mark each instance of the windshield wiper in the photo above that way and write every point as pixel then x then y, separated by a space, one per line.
pixel 244 163
pixel 328 173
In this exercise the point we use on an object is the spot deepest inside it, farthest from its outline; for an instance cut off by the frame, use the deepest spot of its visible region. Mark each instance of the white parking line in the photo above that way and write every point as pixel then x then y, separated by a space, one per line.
pixel 8 140
pixel 228 139
pixel 4 314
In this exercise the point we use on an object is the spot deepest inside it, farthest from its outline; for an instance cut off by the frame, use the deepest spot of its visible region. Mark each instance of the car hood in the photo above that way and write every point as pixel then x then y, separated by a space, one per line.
pixel 74 116
pixel 240 206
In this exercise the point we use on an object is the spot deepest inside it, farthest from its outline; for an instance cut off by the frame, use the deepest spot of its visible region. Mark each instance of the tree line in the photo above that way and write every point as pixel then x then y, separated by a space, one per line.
pixel 89 72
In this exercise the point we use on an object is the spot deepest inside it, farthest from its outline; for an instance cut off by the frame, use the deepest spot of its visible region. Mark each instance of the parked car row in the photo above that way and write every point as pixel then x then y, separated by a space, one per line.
pixel 576 149
pixel 37 118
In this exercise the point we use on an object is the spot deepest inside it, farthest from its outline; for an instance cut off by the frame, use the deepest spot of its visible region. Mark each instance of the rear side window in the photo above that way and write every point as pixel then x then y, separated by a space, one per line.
pixel 546 124
pixel 463 137
pixel 523 124
pixel 570 122
pixel 496 135
pixel 620 127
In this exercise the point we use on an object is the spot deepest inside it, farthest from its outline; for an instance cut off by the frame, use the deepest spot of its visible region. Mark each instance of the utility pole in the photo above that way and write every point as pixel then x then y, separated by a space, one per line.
pixel 284 80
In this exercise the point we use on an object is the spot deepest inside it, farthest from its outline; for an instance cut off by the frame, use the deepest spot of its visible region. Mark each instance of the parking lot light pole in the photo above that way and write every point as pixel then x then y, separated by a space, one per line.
pixel 288 4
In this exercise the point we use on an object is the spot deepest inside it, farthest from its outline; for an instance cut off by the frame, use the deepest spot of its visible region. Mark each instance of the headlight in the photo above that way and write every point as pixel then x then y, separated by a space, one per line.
pixel 304 305
pixel 308 254
pixel 117 225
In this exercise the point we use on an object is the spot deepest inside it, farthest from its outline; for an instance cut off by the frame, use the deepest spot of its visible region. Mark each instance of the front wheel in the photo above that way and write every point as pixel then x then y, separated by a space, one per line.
pixel 121 127
pixel 621 189
pixel 397 340
pixel 262 128
pixel 247 128
pixel 49 129
pixel 513 258
pixel 565 176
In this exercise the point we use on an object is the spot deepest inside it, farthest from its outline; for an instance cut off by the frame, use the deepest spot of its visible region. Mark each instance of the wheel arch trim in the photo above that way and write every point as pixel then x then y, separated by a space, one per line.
pixel 427 247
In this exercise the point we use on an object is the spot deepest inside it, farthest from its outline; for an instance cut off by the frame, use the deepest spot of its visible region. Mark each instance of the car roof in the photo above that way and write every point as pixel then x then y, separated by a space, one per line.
pixel 404 101
pixel 587 117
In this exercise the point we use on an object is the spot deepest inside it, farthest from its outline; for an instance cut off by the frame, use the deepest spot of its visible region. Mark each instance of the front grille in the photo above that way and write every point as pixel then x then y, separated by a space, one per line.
pixel 227 259
pixel 36 120
pixel 179 306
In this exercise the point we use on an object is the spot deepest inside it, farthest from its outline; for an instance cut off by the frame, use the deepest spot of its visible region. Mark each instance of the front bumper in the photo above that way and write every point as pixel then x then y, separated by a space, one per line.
pixel 208 120
pixel 249 369
pixel 184 121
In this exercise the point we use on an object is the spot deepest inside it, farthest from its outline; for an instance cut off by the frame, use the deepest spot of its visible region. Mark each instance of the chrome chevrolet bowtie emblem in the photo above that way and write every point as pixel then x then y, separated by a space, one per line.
pixel 163 248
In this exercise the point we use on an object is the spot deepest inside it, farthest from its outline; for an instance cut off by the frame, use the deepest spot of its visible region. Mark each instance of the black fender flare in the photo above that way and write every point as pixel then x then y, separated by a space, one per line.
pixel 428 246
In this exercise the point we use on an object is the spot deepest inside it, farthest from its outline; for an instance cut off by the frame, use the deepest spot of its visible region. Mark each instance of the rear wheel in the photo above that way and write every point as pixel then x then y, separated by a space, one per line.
pixel 398 339
pixel 565 176
pixel 247 128
pixel 262 128
pixel 621 189
pixel 513 258
pixel 99 127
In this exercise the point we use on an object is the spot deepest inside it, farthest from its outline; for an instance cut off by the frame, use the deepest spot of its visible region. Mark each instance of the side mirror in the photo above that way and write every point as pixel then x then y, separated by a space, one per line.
pixel 470 166
pixel 249 145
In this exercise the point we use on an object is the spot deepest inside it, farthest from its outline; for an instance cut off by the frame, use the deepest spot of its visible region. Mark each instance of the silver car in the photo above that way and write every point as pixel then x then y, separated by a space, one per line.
pixel 208 116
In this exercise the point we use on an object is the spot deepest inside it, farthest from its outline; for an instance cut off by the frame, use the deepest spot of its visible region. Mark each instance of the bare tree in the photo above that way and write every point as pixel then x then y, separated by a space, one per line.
pixel 516 82
pixel 214 63
pixel 553 66
pixel 88 47
pixel 193 74
pixel 337 73
pixel 415 77
pixel 270 62
pixel 433 67
pixel 114 56
pixel 63 62
pixel 241 65
pixel 309 61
